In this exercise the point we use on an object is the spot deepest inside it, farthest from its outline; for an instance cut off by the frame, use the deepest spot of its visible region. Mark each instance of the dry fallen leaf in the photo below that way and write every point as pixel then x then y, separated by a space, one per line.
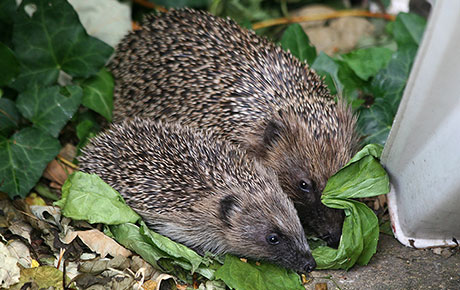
pixel 9 270
pixel 34 199
pixel 321 286
pixel 98 242
pixel 57 172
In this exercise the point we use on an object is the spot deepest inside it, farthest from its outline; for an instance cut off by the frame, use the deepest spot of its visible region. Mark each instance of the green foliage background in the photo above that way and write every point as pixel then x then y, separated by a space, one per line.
pixel 49 67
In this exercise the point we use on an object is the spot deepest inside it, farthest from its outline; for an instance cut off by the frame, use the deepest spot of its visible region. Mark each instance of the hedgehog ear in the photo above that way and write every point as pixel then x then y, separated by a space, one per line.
pixel 227 205
pixel 272 132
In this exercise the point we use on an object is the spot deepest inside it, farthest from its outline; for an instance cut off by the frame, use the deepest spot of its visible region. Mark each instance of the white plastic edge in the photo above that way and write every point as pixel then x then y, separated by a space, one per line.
pixel 407 240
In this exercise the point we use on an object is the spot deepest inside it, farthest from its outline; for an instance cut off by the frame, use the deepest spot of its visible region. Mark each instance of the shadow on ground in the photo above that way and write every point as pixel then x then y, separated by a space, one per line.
pixel 395 266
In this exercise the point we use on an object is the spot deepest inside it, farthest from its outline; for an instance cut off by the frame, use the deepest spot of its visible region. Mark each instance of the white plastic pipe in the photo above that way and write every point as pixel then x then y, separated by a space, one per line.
pixel 422 153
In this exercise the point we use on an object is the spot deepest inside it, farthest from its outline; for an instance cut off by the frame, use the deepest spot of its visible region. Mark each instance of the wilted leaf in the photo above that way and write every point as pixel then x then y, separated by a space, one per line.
pixel 367 62
pixel 23 158
pixel 44 277
pixel 9 66
pixel 297 42
pixel 52 39
pixel 48 214
pixel 98 242
pixel 98 93
pixel 239 275
pixel 47 108
pixel 9 117
pixel 359 179
pixel 363 176
pixel 87 197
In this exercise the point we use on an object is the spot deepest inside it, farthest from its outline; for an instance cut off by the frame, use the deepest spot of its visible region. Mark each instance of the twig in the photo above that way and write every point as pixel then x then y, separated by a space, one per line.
pixel 323 16
pixel 66 162
pixel 150 5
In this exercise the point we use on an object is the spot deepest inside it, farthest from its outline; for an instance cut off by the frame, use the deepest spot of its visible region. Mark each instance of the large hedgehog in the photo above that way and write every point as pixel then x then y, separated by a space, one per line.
pixel 200 191
pixel 208 72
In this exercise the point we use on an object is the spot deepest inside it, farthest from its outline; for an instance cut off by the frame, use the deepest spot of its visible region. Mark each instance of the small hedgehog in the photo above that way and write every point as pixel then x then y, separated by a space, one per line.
pixel 207 72
pixel 200 191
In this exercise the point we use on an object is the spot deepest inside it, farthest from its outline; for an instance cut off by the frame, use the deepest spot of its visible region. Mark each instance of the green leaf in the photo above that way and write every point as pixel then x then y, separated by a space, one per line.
pixel 374 150
pixel 245 276
pixel 157 249
pixel 9 66
pixel 375 122
pixel 367 62
pixel 408 29
pixel 359 239
pixel 173 249
pixel 98 93
pixel 9 117
pixel 23 158
pixel 129 235
pixel 47 108
pixel 88 197
pixel 389 83
pixel 296 40
pixel 388 87
pixel 326 66
pixel 340 78
pixel 363 176
pixel 52 39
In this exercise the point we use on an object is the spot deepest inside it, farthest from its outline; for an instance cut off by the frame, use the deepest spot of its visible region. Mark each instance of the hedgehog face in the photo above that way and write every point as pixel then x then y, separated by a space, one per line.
pixel 304 156
pixel 266 228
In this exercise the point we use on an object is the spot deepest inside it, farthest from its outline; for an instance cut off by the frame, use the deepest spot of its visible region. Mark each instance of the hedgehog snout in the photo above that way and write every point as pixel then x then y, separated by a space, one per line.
pixel 310 264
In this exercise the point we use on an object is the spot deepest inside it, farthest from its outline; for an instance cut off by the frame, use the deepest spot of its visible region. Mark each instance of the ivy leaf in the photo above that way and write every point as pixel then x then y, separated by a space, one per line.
pixel 9 66
pixel 98 93
pixel 367 62
pixel 298 43
pixel 339 78
pixel 9 117
pixel 408 29
pixel 391 81
pixel 326 66
pixel 47 108
pixel 375 122
pixel 52 39
pixel 23 158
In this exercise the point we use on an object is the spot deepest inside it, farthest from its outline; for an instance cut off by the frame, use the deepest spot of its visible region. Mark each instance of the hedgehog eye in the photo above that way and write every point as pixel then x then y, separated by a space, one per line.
pixel 273 239
pixel 305 186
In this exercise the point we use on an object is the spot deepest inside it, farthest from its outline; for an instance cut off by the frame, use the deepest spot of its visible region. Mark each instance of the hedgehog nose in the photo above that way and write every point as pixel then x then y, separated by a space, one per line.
pixel 310 265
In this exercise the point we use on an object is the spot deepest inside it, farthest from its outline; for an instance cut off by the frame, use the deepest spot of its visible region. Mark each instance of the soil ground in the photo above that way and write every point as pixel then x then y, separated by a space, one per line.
pixel 395 266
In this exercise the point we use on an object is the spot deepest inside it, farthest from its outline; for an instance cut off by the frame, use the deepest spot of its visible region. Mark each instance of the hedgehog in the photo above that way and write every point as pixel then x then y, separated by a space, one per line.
pixel 198 190
pixel 191 67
